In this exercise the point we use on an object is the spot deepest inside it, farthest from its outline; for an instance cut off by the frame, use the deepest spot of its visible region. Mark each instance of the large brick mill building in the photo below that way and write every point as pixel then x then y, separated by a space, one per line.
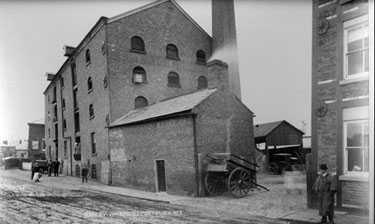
pixel 130 63
pixel 340 98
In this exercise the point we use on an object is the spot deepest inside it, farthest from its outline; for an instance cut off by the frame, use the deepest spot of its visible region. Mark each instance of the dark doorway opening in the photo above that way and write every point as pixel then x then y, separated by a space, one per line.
pixel 160 173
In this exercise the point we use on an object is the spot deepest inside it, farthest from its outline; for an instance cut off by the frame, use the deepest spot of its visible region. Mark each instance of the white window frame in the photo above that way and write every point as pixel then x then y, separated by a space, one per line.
pixel 348 25
pixel 353 115
pixel 35 145
pixel 138 78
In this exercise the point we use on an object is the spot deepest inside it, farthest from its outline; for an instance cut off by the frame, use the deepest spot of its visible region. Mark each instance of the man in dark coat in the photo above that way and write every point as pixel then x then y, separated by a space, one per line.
pixel 85 173
pixel 56 168
pixel 49 167
pixel 33 168
pixel 325 187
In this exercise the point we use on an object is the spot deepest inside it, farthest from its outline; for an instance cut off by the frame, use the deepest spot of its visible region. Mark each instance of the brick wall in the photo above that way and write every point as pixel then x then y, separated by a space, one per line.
pixel 135 148
pixel 98 97
pixel 224 124
pixel 158 26
pixel 355 194
pixel 330 87
pixel 36 133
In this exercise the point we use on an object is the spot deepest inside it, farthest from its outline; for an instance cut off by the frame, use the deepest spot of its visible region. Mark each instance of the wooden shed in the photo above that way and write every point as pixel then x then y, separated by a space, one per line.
pixel 279 145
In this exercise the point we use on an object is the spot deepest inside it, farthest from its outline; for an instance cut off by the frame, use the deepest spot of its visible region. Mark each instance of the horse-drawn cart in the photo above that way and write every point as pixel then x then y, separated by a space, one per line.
pixel 228 172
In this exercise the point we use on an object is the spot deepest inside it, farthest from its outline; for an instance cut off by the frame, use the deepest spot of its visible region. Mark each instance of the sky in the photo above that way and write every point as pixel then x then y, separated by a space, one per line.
pixel 274 46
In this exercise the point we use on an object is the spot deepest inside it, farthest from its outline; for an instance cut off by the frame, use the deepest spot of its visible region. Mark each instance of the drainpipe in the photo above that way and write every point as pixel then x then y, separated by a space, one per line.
pixel 194 116
pixel 71 160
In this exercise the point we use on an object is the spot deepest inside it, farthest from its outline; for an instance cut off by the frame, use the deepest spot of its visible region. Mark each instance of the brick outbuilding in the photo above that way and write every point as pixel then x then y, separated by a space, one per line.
pixel 162 147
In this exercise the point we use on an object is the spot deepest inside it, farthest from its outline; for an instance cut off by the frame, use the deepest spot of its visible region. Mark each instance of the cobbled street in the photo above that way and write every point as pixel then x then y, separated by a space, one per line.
pixel 24 201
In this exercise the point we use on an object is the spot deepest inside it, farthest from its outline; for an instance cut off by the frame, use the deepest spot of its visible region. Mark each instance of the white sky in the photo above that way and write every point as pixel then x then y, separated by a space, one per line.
pixel 274 41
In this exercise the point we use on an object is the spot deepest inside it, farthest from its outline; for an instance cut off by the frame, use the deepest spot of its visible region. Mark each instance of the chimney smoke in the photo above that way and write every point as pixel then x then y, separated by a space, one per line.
pixel 224 41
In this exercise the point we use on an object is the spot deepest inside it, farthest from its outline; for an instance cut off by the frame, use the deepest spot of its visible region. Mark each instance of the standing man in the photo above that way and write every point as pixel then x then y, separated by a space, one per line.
pixel 325 187
pixel 33 168
pixel 56 168
pixel 49 167
pixel 85 173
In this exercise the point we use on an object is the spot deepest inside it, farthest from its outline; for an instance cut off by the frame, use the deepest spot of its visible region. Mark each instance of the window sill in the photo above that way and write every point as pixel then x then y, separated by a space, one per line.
pixel 87 63
pixel 173 85
pixel 139 83
pixel 201 63
pixel 137 51
pixel 94 155
pixel 354 80
pixel 92 117
pixel 363 177
pixel 89 91
pixel 173 58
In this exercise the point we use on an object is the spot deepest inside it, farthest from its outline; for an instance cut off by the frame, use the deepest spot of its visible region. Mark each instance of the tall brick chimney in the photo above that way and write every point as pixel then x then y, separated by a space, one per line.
pixel 224 41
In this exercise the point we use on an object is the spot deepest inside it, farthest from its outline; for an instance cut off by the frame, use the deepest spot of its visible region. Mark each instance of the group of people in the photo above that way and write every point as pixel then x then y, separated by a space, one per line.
pixel 52 166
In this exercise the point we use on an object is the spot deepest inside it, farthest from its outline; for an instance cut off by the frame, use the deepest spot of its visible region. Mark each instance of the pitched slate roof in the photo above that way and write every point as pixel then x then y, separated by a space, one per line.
pixel 175 105
pixel 261 130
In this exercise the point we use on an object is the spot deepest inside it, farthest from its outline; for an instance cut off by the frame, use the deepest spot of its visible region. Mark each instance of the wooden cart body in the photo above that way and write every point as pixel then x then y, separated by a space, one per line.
pixel 228 172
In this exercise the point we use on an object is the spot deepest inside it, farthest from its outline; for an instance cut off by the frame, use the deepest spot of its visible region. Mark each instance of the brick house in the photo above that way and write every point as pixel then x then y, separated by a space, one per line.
pixel 162 147
pixel 340 98
pixel 36 144
pixel 134 59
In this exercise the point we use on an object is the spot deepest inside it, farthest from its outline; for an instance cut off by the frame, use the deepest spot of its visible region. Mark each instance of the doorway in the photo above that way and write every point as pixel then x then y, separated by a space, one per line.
pixel 160 176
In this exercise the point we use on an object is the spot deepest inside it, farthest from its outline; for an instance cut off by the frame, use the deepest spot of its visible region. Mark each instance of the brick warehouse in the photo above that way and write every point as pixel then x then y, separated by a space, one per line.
pixel 126 62
pixel 340 98
pixel 163 146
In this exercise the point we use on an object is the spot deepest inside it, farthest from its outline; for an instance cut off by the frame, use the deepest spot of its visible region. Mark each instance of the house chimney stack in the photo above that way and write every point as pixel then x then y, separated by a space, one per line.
pixel 224 41
pixel 218 74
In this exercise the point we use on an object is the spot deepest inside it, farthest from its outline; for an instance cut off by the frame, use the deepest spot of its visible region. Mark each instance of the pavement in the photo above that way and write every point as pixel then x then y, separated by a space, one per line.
pixel 285 201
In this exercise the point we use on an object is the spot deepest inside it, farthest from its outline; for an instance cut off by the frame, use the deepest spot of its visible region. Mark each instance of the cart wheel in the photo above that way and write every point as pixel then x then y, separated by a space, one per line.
pixel 239 182
pixel 214 183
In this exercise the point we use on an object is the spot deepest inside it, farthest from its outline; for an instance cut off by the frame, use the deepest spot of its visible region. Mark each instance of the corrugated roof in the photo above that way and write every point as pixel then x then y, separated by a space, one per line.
pixel 261 130
pixel 167 107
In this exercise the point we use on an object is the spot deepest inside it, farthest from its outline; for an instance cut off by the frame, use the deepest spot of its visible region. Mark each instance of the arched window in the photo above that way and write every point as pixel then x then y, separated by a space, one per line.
pixel 201 57
pixel 91 111
pixel 140 102
pixel 137 44
pixel 139 75
pixel 93 171
pixel 88 57
pixel 173 79
pixel 89 84
pixel 172 51
pixel 202 82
